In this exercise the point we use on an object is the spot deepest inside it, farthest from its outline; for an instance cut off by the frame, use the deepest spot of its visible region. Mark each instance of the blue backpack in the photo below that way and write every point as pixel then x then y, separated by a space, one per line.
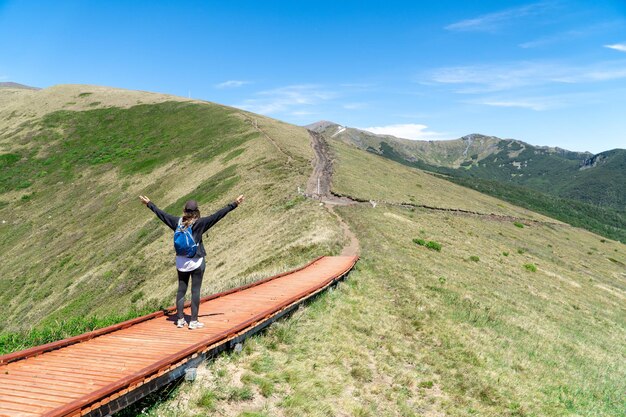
pixel 184 244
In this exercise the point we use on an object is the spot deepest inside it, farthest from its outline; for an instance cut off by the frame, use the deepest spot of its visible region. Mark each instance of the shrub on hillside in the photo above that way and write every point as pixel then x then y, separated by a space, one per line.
pixel 433 245
pixel 430 244
pixel 530 267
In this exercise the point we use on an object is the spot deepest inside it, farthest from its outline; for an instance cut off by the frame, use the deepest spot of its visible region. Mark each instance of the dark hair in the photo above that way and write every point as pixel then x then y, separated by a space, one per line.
pixel 190 216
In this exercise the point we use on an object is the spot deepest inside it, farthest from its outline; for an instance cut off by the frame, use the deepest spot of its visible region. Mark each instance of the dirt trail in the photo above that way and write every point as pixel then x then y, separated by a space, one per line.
pixel 353 247
pixel 255 125
pixel 320 181
pixel 319 185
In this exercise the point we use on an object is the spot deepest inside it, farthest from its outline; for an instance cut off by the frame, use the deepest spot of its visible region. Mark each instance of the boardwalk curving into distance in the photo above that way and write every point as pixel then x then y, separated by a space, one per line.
pixel 100 372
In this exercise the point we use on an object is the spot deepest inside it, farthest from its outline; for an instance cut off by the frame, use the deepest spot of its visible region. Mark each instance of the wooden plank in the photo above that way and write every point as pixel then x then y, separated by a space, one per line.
pixel 27 404
pixel 88 357
pixel 118 349
pixel 19 412
pixel 62 379
pixel 82 359
pixel 69 376
pixel 35 395
pixel 41 388
pixel 71 369
pixel 27 378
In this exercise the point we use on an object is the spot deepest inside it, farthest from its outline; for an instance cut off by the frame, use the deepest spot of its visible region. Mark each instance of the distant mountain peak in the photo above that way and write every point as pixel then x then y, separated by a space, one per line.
pixel 10 84
pixel 472 136
pixel 321 125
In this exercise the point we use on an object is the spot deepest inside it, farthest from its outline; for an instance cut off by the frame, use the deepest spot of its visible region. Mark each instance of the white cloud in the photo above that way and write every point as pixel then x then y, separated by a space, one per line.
pixel 232 84
pixel 406 131
pixel 617 46
pixel 291 98
pixel 570 35
pixel 532 104
pixel 549 40
pixel 475 79
pixel 550 101
pixel 492 21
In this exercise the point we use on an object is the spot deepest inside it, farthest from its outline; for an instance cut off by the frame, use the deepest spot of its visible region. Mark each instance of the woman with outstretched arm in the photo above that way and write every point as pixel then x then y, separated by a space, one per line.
pixel 190 263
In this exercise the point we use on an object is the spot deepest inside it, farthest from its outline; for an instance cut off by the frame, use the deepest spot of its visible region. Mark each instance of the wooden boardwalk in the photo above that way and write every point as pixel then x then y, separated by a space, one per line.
pixel 101 372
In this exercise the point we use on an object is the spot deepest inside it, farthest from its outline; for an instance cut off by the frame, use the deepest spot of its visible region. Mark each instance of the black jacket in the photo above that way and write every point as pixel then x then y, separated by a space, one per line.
pixel 199 227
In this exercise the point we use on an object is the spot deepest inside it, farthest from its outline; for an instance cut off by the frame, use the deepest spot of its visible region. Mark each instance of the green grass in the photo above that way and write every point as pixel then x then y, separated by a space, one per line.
pixel 253 414
pixel 294 202
pixel 481 302
pixel 207 400
pixel 135 140
pixel 210 190
pixel 240 394
pixel 530 267
pixel 433 245
pixel 430 244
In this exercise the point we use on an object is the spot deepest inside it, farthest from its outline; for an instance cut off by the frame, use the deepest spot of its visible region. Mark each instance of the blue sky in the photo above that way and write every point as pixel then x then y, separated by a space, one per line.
pixel 548 72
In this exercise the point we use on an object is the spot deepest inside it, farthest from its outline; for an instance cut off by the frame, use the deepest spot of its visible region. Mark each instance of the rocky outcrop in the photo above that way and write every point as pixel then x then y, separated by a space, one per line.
pixel 593 161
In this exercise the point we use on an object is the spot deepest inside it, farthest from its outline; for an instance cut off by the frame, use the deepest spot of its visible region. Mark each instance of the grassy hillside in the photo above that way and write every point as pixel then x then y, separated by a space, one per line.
pixel 507 318
pixel 580 211
pixel 75 239
pixel 605 221
pixel 579 188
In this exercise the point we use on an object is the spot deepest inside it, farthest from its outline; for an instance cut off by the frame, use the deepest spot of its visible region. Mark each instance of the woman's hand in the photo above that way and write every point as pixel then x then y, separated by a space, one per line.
pixel 145 199
pixel 239 199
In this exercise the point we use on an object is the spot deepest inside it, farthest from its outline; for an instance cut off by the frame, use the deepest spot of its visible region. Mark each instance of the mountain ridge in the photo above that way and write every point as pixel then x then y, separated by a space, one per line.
pixel 10 84
pixel 592 178
pixel 322 126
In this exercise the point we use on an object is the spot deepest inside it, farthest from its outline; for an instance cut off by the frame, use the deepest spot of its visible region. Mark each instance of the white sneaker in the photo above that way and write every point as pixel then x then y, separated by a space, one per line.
pixel 181 323
pixel 195 325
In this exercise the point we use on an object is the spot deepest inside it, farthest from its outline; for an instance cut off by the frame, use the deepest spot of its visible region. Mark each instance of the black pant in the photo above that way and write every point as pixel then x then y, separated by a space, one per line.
pixel 183 282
